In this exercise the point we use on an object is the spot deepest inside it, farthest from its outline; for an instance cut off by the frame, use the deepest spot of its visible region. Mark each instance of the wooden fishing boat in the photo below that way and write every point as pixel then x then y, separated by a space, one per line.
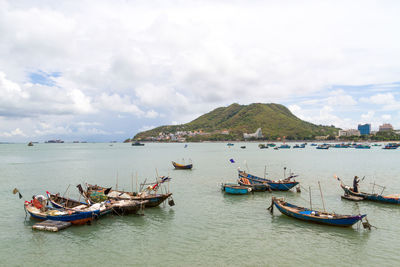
pixel 235 189
pixel 322 147
pixel 97 193
pixel 126 206
pixel 254 187
pixel 284 146
pixel 60 202
pixel 314 216
pixel 279 185
pixel 352 198
pixel 243 147
pixel 30 144
pixel 182 166
pixel 37 209
pixel 392 199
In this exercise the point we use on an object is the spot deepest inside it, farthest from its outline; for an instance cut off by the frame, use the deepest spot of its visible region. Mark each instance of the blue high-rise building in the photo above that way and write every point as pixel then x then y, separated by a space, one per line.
pixel 364 129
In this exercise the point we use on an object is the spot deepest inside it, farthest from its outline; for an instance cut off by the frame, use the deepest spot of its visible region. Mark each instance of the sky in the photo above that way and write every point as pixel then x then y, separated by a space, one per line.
pixel 106 70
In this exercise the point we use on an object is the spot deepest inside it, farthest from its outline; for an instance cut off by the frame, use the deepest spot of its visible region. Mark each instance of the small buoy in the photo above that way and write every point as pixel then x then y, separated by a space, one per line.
pixel 171 202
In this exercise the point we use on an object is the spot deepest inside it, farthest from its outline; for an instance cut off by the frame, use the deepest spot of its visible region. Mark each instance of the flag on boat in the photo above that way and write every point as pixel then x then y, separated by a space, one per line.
pixel 232 161
pixel 165 179
pixel 17 191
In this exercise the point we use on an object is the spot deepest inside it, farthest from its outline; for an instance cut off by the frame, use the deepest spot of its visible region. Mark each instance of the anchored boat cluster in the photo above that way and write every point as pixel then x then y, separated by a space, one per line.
pixel 58 212
pixel 247 183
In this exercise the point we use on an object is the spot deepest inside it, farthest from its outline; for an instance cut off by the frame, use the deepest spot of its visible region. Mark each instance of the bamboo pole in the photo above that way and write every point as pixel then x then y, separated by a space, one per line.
pixel 116 186
pixel 309 191
pixel 265 170
pixel 66 190
pixel 322 197
pixel 132 182
pixel 136 184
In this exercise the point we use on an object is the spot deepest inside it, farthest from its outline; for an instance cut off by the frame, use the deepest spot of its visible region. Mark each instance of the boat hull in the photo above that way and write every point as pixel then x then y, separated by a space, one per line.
pixel 235 189
pixel 75 218
pixel 153 200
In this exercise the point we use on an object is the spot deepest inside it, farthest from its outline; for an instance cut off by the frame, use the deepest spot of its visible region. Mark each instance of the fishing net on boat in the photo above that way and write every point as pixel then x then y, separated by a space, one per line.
pixel 98 196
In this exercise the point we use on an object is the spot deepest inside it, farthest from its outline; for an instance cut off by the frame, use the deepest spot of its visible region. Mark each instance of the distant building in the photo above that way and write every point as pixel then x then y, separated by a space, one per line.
pixel 349 132
pixel 256 135
pixel 365 129
pixel 386 127
pixel 322 137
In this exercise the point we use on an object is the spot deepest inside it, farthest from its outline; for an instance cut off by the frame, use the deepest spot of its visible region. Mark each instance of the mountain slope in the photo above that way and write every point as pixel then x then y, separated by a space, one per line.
pixel 275 120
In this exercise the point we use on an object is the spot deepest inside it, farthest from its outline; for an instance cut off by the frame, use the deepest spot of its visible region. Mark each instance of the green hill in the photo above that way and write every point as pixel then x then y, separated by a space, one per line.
pixel 275 121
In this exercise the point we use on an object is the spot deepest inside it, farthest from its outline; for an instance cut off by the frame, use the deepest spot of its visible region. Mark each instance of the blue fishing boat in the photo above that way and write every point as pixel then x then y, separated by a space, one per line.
pixel 314 216
pixel 279 185
pixel 284 146
pixel 230 144
pixel 38 209
pixel 322 147
pixel 341 146
pixel 390 146
pixel 361 146
pixel 391 199
pixel 314 144
pixel 235 189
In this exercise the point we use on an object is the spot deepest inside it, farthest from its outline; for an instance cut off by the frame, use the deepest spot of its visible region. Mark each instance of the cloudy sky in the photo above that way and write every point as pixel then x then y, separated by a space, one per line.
pixel 104 70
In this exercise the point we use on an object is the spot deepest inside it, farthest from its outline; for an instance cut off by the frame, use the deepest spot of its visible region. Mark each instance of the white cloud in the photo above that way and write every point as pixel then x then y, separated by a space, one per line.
pixel 181 59
pixel 118 103
pixel 146 127
pixel 387 100
pixel 340 98
pixel 386 117
pixel 151 114
pixel 368 116
pixel 16 132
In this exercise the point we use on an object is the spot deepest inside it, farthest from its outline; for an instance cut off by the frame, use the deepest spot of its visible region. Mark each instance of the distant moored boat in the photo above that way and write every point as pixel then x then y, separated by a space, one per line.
pixel 137 143
pixel 182 166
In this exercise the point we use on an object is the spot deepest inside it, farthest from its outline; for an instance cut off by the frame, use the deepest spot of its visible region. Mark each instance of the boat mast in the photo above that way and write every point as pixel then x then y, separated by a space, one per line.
pixel 322 197
pixel 116 186
pixel 265 170
pixel 309 191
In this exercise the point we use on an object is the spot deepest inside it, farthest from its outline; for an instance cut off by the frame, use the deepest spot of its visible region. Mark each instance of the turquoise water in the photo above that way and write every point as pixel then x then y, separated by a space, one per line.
pixel 205 227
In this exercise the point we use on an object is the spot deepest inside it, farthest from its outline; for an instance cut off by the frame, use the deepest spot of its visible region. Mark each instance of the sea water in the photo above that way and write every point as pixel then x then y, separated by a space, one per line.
pixel 205 227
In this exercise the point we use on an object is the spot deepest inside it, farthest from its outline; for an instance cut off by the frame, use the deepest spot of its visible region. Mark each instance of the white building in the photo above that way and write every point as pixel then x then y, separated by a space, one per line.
pixel 385 127
pixel 349 132
pixel 257 134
